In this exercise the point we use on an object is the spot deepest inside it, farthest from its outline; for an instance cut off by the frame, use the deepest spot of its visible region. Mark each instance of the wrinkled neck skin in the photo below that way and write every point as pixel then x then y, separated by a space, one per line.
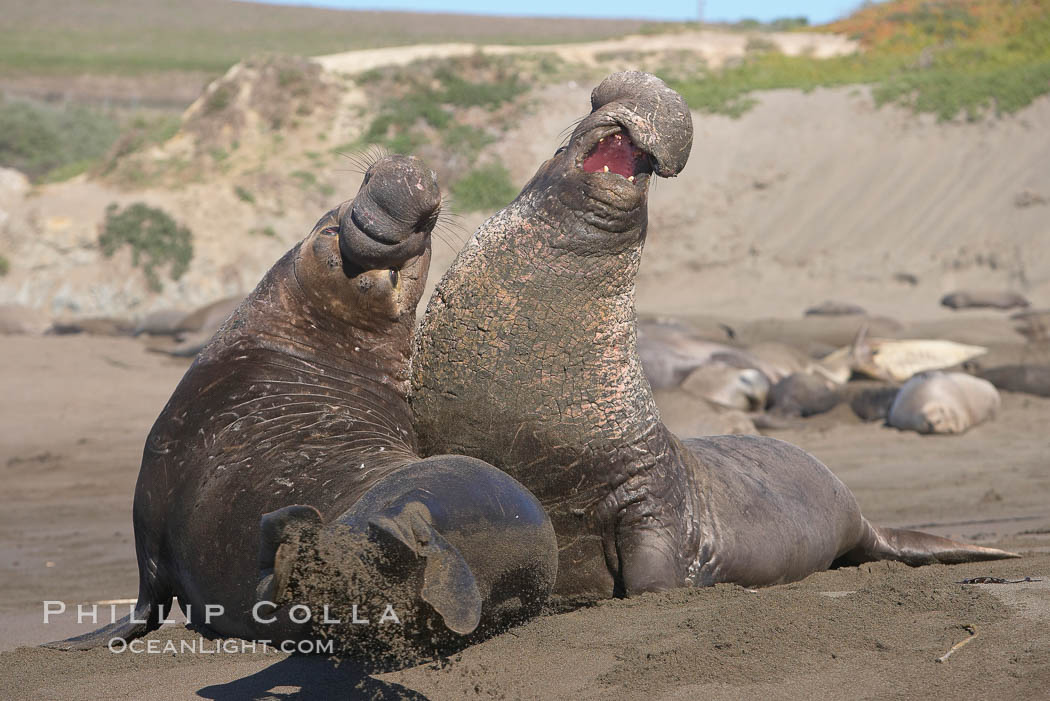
pixel 550 387
pixel 310 335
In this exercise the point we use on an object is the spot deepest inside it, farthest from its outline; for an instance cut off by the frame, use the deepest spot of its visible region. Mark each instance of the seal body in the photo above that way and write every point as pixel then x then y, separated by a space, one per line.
pixel 527 358
pixel 1029 379
pixel 984 299
pixel 943 402
pixel 286 453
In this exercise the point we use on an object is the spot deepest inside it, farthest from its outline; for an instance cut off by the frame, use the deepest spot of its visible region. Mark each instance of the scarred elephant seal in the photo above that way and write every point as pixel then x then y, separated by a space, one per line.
pixel 527 358
pixel 284 469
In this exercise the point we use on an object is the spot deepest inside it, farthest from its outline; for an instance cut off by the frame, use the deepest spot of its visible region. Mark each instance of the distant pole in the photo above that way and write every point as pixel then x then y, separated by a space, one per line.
pixel 700 11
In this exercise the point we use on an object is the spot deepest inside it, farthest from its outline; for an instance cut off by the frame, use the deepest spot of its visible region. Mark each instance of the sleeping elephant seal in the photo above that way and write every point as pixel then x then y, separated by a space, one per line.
pixel 984 299
pixel 283 470
pixel 527 358
pixel 943 402
pixel 1029 379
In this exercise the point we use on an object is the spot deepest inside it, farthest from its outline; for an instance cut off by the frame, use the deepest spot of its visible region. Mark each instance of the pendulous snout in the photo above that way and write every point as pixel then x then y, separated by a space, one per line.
pixel 655 117
pixel 393 214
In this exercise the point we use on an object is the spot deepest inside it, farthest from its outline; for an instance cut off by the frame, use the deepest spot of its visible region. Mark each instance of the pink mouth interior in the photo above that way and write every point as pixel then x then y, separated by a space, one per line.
pixel 615 153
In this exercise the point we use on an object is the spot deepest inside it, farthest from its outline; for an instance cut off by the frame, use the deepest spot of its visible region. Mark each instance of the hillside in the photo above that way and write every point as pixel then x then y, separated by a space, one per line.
pixel 791 196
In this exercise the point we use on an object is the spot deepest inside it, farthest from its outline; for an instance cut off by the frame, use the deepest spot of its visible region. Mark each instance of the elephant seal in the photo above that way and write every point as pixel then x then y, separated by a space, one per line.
pixel 943 402
pixel 283 472
pixel 727 386
pixel 803 394
pixel 873 403
pixel 895 360
pixel 984 299
pixel 527 358
pixel 832 308
pixel 1029 379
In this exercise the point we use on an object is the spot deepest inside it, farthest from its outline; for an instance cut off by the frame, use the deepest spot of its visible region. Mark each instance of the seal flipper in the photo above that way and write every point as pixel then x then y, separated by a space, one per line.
pixel 916 548
pixel 154 593
pixel 448 584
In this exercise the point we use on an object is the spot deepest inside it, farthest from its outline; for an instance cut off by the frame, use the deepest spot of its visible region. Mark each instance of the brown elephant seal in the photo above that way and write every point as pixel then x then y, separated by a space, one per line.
pixel 984 299
pixel 283 470
pixel 1029 379
pixel 93 326
pixel 832 308
pixel 527 358
pixel 943 402
pixel 873 403
pixel 803 394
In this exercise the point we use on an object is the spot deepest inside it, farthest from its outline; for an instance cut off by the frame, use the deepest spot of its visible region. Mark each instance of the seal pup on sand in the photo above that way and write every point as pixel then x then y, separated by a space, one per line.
pixel 283 469
pixel 527 358
pixel 943 402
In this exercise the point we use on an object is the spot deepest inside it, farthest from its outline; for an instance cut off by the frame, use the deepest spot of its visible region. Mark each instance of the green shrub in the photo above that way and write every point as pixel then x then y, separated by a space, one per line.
pixel 38 140
pixel 5 266
pixel 433 96
pixel 941 58
pixel 485 188
pixel 243 195
pixel 155 239
pixel 219 99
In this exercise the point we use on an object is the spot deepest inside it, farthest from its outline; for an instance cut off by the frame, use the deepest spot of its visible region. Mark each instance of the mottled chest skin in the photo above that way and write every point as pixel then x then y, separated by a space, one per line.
pixel 526 357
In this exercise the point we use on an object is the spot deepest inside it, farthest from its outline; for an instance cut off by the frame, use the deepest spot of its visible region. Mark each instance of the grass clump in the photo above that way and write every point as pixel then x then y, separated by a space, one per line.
pixel 484 188
pixel 243 195
pixel 155 239
pixel 943 57
pixel 429 96
pixel 5 266
pixel 44 142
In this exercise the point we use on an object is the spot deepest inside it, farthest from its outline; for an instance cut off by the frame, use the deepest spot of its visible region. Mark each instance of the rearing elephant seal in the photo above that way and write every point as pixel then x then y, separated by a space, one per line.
pixel 283 468
pixel 527 358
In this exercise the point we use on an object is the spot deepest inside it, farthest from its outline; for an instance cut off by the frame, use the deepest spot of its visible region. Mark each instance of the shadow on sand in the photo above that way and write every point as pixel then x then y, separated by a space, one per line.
pixel 316 678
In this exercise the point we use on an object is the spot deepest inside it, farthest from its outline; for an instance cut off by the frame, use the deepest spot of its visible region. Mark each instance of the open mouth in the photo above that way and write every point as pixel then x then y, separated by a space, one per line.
pixel 616 153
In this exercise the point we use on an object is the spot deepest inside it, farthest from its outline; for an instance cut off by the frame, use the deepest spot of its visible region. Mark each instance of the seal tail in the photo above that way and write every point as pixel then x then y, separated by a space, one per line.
pixel 917 548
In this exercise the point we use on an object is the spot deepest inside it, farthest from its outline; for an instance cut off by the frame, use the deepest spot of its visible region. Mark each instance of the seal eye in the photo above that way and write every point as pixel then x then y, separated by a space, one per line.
pixel 395 277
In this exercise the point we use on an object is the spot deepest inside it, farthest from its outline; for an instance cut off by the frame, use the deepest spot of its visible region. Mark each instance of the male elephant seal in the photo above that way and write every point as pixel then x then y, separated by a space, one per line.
pixel 285 459
pixel 943 402
pixel 527 358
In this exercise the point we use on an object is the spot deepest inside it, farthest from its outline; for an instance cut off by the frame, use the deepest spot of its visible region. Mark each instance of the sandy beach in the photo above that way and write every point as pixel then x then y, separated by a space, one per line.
pixel 75 412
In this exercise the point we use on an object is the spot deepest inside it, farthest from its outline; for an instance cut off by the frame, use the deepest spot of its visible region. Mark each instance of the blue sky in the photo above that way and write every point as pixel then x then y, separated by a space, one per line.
pixel 818 11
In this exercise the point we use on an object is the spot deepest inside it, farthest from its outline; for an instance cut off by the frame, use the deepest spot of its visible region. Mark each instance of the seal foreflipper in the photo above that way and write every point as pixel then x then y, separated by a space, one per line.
pixel 916 548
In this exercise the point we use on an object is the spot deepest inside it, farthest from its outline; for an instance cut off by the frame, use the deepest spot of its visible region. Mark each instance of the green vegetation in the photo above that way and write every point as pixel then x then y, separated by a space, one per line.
pixel 267 231
pixel 135 37
pixel 5 266
pixel 44 142
pixel 943 57
pixel 243 195
pixel 430 96
pixel 487 187
pixel 155 239
pixel 51 144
